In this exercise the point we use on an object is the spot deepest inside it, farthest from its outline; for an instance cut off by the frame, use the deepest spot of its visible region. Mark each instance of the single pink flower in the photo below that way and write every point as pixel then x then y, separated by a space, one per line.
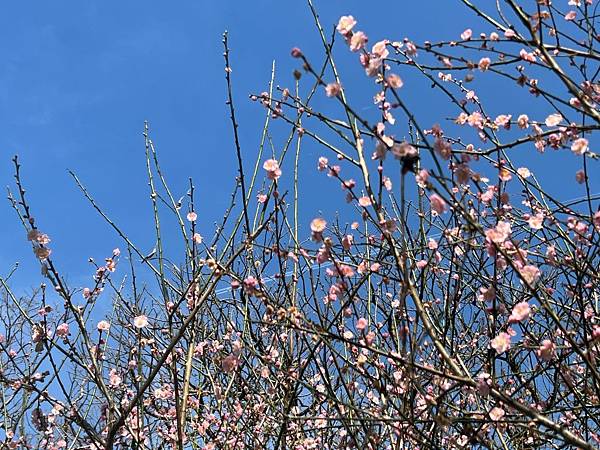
pixel 497 413
pixel 394 81
pixel 553 120
pixel 520 312
pixel 438 204
pixel 192 216
pixel 333 89
pixel 523 121
pixel 501 343
pixel 361 324
pixel 140 321
pixel 62 330
pixel 364 201
pixel 524 172
pixel 358 41
pixel 580 146
pixel 571 15
pixel 484 64
pixel 536 221
pixel 103 325
pixel 345 25
pixel 318 225
pixel 546 350
pixel 466 35
pixel 531 274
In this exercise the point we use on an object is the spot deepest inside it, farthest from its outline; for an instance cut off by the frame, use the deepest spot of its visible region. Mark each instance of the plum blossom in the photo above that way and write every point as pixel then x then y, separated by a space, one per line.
pixel 438 204
pixel 553 120
pixel 497 413
pixel 520 312
pixel 333 89
pixel 345 25
pixel 523 121
pixel 524 172
pixel 103 325
pixel 62 330
pixel 536 222
pixel 394 81
pixel 140 321
pixel 466 35
pixel 531 274
pixel 318 225
pixel 361 324
pixel 500 233
pixel 192 216
pixel 358 41
pixel 580 146
pixel 580 176
pixel 484 64
pixel 546 350
pixel 272 168
pixel 501 343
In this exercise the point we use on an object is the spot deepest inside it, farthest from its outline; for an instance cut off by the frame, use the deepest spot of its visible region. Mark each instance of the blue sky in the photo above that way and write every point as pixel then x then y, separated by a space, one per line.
pixel 78 79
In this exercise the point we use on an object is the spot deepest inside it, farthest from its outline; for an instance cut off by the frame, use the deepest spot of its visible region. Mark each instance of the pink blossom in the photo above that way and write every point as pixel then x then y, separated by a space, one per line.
pixel 484 64
pixel 501 343
pixel 380 51
pixel 571 15
pixel 438 205
pixel 394 81
pixel 364 201
pixel 62 330
pixel 318 225
pixel 520 312
pixel 580 176
pixel 530 274
pixel 345 25
pixel 421 177
pixel 580 146
pixel 333 89
pixel 509 33
pixel 546 350
pixel 361 324
pixel 524 172
pixel 553 120
pixel 503 120
pixel 114 379
pixel 347 241
pixel 272 168
pixel 296 52
pixel 140 321
pixel 192 216
pixel 500 233
pixel 322 163
pixel 42 252
pixel 527 56
pixel 523 121
pixel 494 36
pixel 197 238
pixel 466 35
pixel 497 413
pixel 536 221
pixel 103 325
pixel 358 41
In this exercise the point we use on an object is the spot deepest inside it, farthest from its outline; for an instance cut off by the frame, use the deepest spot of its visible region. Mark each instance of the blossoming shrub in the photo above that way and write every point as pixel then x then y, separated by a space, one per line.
pixel 453 303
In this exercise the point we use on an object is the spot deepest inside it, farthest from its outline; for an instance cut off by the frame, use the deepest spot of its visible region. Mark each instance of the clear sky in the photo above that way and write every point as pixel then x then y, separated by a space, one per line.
pixel 78 79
